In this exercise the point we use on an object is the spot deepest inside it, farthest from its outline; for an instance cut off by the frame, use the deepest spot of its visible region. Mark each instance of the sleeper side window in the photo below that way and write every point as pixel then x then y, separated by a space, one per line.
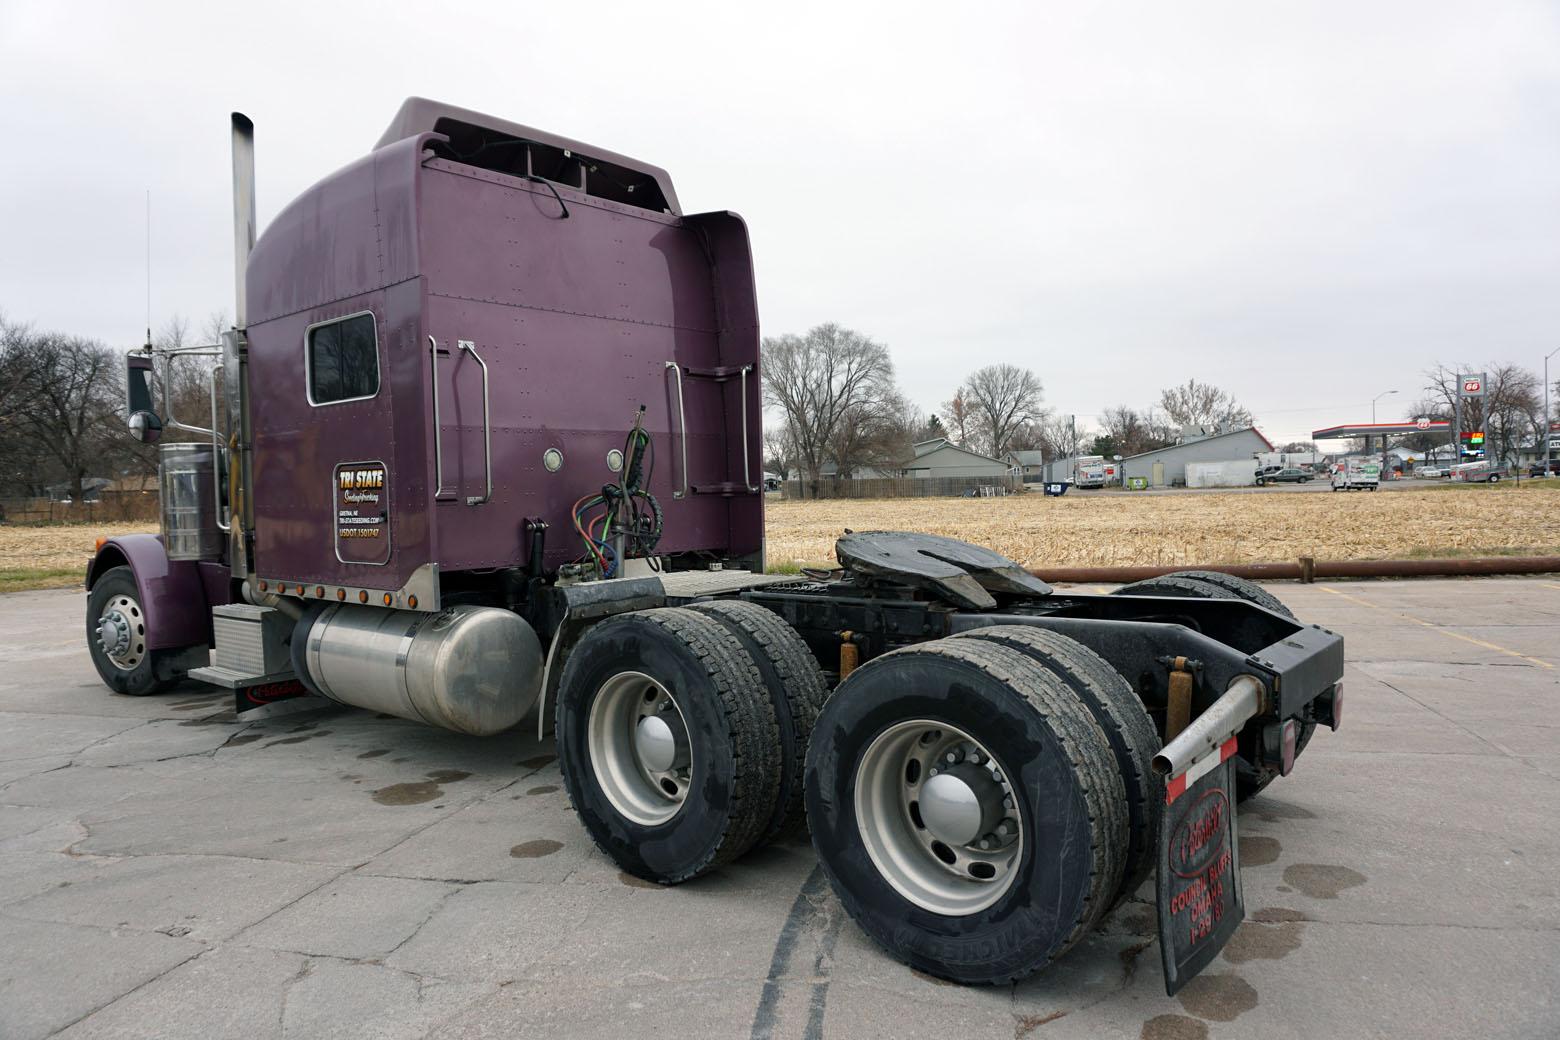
pixel 343 360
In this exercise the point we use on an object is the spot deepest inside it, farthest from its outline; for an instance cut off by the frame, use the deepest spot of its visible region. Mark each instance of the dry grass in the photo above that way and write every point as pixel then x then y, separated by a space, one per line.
pixel 1077 529
pixel 1192 528
pixel 52 556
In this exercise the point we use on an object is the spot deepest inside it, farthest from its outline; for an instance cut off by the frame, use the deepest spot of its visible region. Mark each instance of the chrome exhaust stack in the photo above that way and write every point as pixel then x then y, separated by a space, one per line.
pixel 243 212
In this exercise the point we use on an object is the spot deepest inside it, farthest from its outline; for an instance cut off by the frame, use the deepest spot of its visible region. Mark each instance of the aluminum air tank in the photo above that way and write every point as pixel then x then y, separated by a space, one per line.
pixel 474 670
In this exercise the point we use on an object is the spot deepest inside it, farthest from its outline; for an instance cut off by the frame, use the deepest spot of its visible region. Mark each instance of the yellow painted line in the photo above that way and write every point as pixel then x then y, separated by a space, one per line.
pixel 1440 628
pixel 1549 585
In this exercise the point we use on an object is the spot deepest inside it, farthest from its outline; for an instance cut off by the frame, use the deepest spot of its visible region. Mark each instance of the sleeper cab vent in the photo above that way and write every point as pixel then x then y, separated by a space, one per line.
pixel 518 157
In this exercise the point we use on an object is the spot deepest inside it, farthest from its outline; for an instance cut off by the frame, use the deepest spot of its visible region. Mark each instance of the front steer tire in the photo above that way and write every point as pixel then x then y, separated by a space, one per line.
pixel 732 746
pixel 1068 794
pixel 150 671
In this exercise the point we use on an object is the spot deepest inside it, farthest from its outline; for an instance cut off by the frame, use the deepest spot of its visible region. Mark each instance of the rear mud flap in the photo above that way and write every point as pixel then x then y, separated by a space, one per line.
pixel 1200 898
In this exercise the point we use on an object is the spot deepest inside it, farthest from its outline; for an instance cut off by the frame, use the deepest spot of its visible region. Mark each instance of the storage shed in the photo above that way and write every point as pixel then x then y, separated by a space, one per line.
pixel 1166 467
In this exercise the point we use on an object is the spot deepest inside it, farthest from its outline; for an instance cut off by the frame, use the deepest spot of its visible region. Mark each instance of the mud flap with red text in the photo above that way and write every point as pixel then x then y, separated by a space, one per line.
pixel 1200 900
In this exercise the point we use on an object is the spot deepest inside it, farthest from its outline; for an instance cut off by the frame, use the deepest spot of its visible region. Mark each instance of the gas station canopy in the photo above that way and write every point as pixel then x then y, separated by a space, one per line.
pixel 1388 429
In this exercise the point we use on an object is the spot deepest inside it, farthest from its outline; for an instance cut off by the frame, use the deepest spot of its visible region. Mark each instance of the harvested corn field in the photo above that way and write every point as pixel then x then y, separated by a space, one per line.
pixel 52 556
pixel 1112 528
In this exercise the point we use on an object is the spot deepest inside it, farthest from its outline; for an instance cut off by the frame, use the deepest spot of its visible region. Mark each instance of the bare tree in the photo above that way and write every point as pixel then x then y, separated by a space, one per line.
pixel 1202 404
pixel 1060 437
pixel 958 420
pixel 1001 399
pixel 68 425
pixel 820 381
pixel 1297 446
pixel 1511 408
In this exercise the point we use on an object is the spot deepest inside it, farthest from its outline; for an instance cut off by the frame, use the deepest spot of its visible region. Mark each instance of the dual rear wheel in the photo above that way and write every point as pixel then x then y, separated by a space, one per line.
pixel 681 733
pixel 977 802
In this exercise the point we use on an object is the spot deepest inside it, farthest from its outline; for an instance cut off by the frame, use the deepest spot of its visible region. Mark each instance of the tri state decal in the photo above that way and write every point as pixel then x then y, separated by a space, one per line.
pixel 362 512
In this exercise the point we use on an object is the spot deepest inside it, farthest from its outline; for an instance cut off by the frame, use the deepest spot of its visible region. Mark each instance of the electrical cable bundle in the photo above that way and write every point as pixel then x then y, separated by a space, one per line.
pixel 628 511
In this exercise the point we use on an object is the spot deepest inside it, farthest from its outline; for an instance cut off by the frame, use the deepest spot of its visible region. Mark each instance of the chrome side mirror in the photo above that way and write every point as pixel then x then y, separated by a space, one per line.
pixel 146 427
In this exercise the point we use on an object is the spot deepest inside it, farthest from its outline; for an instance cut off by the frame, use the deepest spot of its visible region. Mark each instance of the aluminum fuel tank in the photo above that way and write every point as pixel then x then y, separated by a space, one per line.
pixel 470 669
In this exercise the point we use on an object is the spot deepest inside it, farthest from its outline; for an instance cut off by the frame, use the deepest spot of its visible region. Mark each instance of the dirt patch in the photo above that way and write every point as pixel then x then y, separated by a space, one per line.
pixel 447 776
pixel 1218 998
pixel 375 753
pixel 1137 919
pixel 1278 915
pixel 243 738
pixel 1174 1027
pixel 536 848
pixel 636 882
pixel 1257 850
pixel 1254 941
pixel 1322 880
pixel 408 794
pixel 544 789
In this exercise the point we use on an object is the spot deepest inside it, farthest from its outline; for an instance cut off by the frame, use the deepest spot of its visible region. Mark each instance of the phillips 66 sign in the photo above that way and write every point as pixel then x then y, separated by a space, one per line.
pixel 1472 386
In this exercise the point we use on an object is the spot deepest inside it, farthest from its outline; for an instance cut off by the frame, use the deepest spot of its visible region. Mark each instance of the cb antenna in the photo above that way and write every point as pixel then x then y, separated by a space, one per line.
pixel 148 270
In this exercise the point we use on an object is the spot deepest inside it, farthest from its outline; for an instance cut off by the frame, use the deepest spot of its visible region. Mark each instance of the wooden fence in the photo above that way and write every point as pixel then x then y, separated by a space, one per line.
pixel 906 487
pixel 118 506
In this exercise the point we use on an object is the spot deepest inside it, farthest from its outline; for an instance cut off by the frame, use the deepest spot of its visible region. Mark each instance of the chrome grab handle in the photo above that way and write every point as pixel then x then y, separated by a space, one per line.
pixel 682 421
pixel 439 489
pixel 487 429
pixel 216 453
pixel 747 479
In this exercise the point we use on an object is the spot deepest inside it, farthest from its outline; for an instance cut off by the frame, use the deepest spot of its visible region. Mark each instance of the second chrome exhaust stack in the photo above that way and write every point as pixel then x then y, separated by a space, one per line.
pixel 243 212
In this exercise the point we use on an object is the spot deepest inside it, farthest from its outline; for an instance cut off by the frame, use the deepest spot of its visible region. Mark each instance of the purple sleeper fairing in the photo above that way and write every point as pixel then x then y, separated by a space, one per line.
pixel 575 303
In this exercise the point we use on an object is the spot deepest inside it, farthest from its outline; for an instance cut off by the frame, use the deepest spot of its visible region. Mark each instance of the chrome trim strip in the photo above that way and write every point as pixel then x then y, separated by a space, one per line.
pixel 682 422
pixel 487 428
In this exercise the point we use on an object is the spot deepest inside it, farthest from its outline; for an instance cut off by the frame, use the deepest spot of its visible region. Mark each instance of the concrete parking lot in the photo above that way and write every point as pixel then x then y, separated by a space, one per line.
pixel 169 871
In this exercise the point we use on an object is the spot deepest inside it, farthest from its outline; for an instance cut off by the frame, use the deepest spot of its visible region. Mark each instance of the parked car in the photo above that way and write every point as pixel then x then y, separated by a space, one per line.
pixel 1430 472
pixel 1286 475
pixel 1538 469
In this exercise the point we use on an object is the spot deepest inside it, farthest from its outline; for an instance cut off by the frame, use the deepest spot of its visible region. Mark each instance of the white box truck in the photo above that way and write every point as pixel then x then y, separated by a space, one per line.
pixel 1356 475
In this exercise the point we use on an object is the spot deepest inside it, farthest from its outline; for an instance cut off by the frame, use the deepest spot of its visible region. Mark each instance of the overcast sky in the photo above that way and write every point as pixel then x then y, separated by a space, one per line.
pixel 1307 202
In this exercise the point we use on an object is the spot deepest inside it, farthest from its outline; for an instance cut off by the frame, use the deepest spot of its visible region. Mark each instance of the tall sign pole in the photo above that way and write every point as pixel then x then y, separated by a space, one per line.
pixel 1471 386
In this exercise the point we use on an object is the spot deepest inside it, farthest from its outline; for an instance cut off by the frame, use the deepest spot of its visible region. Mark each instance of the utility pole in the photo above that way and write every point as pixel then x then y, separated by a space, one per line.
pixel 1387 471
pixel 1547 436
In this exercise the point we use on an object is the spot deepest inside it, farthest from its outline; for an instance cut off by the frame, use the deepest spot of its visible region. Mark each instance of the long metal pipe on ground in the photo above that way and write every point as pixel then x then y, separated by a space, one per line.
pixel 1306 569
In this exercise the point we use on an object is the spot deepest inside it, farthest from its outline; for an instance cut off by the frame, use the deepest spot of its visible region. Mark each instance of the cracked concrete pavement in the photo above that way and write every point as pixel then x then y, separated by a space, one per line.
pixel 167 870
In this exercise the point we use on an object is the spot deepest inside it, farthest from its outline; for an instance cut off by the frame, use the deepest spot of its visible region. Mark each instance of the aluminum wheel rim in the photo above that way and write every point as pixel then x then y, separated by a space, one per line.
pixel 121 633
pixel 951 877
pixel 625 735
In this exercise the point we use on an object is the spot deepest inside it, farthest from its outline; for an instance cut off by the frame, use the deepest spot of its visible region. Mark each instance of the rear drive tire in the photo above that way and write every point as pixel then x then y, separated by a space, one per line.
pixel 914 878
pixel 668 743
pixel 1242 588
pixel 1134 740
pixel 117 635
pixel 796 690
pixel 1179 585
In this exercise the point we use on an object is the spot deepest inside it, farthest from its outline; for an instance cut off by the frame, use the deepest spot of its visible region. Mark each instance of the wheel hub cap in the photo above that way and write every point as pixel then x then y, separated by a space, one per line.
pixel 939 817
pixel 121 633
pixel 639 749
pixel 113 633
pixel 961 805
pixel 662 742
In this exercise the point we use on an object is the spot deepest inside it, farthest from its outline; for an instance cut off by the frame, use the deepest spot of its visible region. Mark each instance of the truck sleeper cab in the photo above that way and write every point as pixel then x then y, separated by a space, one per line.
pixel 484 443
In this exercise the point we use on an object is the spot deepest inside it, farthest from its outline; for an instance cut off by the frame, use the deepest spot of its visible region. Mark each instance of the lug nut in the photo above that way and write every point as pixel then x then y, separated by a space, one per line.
pixel 1007 803
pixel 975 758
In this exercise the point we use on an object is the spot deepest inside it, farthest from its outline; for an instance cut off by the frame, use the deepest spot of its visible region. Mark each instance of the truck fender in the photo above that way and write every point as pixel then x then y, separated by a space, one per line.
pixel 172 594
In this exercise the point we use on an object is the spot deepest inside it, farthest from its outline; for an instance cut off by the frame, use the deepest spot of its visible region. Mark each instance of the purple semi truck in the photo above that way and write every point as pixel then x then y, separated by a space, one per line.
pixel 485 441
